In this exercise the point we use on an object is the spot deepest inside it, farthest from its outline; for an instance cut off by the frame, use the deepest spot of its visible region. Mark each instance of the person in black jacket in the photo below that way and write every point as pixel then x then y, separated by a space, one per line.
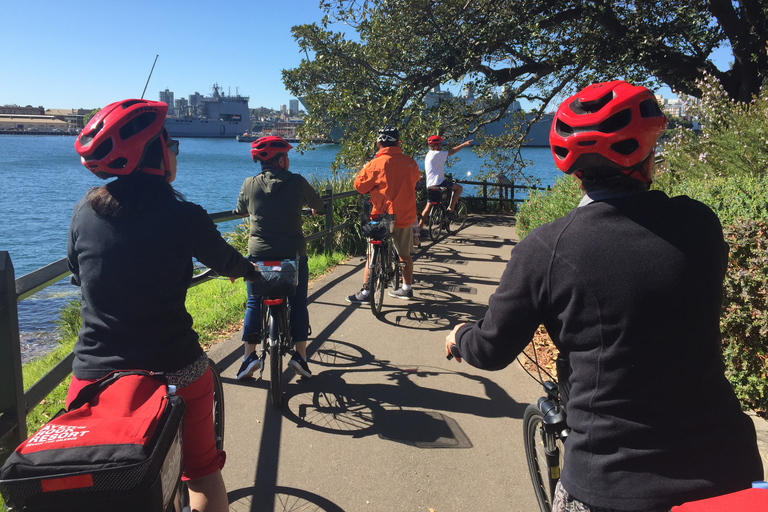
pixel 130 249
pixel 629 287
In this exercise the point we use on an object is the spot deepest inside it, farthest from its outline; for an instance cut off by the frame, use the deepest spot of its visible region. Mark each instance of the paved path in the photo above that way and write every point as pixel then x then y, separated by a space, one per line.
pixel 387 423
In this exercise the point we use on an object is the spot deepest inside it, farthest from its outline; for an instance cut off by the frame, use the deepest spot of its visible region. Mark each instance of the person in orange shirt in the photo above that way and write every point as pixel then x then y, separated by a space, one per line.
pixel 391 178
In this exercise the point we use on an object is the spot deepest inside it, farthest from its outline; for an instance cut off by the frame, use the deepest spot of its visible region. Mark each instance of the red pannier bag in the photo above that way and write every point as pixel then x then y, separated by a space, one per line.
pixel 117 447
pixel 748 500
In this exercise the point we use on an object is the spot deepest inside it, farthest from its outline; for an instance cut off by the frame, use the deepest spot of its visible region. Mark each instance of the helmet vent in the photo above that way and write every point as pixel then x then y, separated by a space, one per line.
pixel 101 151
pixel 87 138
pixel 592 106
pixel 616 122
pixel 626 147
pixel 118 163
pixel 563 129
pixel 649 108
pixel 560 152
pixel 137 124
pixel 585 143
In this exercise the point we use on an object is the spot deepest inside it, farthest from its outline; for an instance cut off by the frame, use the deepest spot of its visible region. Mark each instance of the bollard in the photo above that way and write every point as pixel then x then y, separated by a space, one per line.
pixel 11 385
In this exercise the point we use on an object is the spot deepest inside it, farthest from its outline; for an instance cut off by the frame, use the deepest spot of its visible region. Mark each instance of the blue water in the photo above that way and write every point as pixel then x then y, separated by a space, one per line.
pixel 42 180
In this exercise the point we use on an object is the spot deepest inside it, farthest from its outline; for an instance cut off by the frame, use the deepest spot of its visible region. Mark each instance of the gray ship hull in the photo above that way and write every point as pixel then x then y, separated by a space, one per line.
pixel 206 128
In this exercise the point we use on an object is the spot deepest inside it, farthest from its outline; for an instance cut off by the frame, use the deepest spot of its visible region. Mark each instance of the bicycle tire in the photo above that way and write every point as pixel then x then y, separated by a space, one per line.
pixel 397 273
pixel 435 223
pixel 378 281
pixel 275 360
pixel 538 466
pixel 218 406
pixel 457 220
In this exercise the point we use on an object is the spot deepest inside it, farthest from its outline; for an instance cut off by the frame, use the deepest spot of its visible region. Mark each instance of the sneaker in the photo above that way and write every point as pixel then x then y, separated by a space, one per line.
pixel 249 366
pixel 402 294
pixel 359 298
pixel 300 365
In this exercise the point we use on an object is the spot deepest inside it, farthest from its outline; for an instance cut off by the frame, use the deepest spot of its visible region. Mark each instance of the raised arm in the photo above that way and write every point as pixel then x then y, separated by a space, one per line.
pixel 459 147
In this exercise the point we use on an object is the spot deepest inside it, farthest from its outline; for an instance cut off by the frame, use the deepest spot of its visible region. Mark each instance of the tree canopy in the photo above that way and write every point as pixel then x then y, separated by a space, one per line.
pixel 397 51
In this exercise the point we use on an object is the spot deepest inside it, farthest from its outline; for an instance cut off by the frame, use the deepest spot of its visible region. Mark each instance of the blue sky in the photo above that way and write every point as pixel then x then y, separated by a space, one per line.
pixel 88 53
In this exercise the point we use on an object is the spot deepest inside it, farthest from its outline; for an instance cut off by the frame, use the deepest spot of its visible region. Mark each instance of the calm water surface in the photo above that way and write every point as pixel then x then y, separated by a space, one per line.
pixel 42 180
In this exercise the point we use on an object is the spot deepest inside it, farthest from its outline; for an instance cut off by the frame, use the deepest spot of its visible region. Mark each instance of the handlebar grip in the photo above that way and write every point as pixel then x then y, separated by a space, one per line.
pixel 454 352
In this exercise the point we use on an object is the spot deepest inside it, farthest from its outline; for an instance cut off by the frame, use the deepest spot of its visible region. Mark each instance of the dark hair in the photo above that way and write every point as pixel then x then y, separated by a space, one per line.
pixel 606 178
pixel 131 195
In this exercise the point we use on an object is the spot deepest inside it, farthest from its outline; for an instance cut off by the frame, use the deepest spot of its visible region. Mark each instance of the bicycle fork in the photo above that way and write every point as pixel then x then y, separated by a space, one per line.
pixel 554 427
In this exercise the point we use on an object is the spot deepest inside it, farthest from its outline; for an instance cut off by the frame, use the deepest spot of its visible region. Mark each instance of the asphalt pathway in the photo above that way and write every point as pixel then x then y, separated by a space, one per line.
pixel 387 423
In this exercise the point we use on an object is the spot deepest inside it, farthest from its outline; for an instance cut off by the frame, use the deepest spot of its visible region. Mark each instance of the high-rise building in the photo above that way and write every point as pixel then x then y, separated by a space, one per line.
pixel 166 96
pixel 293 109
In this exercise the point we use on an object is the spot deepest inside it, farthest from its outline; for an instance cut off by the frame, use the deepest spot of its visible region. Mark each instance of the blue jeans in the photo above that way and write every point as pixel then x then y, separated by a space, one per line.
pixel 299 312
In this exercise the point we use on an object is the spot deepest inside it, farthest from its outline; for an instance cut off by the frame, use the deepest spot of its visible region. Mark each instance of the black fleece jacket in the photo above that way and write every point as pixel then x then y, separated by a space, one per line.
pixel 134 272
pixel 630 289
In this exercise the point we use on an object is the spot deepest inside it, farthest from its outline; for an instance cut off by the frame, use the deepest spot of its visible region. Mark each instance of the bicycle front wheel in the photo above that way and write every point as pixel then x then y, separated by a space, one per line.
pixel 435 223
pixel 275 360
pixel 544 471
pixel 378 281
pixel 458 217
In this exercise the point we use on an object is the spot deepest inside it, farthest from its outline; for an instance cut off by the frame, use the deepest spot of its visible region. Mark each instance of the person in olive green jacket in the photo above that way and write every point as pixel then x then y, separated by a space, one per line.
pixel 274 199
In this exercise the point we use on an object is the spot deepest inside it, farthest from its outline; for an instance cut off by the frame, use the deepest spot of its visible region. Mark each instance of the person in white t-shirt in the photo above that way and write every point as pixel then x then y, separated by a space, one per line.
pixel 433 166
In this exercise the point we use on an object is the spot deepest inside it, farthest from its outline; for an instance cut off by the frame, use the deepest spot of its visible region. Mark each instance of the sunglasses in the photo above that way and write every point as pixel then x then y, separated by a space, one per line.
pixel 174 146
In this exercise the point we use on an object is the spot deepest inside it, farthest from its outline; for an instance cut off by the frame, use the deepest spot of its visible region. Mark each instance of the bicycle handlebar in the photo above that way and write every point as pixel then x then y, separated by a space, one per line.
pixel 454 352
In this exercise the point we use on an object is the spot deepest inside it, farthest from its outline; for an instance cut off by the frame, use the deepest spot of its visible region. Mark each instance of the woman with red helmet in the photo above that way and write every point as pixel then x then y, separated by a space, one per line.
pixel 130 249
pixel 629 287
pixel 274 199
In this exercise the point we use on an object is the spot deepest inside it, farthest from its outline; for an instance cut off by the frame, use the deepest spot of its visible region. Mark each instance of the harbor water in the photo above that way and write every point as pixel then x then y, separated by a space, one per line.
pixel 42 180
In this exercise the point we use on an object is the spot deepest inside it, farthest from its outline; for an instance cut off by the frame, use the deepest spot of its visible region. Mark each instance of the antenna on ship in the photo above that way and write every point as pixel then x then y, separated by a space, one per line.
pixel 150 76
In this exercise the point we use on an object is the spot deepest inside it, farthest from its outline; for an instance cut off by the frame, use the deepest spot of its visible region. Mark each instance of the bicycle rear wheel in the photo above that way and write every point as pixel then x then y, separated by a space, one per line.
pixel 544 472
pixel 458 218
pixel 275 359
pixel 378 281
pixel 218 406
pixel 397 275
pixel 435 222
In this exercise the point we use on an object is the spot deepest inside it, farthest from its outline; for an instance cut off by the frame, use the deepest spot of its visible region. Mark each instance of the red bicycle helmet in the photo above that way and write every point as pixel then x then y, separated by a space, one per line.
pixel 611 124
pixel 114 141
pixel 266 148
pixel 434 139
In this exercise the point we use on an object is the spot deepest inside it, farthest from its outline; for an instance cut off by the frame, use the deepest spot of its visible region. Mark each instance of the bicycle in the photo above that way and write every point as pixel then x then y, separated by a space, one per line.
pixel 279 281
pixel 439 216
pixel 384 266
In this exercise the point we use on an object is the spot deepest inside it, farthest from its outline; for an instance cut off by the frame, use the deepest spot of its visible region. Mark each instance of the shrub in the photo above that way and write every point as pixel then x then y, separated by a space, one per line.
pixel 544 206
pixel 733 197
pixel 744 321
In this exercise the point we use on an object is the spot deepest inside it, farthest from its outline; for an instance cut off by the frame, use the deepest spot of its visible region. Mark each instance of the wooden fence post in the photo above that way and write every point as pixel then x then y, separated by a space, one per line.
pixel 11 383
pixel 329 218
pixel 485 194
